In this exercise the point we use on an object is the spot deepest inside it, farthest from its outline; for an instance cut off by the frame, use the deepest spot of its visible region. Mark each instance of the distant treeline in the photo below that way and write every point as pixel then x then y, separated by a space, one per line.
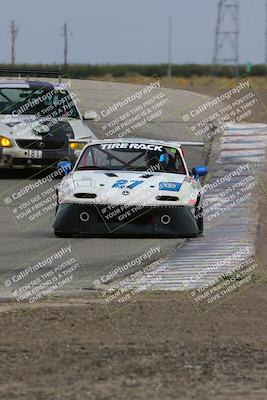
pixel 82 71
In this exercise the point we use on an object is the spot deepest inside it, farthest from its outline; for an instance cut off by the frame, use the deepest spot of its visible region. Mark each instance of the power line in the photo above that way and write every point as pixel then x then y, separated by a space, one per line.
pixel 14 33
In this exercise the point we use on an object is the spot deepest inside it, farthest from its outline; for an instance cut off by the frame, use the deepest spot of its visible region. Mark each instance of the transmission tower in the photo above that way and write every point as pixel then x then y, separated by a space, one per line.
pixel 170 48
pixel 227 33
pixel 14 33
pixel 66 36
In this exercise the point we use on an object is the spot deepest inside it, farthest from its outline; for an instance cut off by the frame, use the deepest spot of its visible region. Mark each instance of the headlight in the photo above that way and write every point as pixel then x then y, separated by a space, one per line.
pixel 77 145
pixel 5 142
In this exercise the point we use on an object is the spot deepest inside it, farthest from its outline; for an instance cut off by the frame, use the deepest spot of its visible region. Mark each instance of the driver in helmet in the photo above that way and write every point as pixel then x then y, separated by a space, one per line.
pixel 159 160
pixel 155 159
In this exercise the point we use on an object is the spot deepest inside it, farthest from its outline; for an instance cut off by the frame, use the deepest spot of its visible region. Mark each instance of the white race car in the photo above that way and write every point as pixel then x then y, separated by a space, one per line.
pixel 37 119
pixel 130 187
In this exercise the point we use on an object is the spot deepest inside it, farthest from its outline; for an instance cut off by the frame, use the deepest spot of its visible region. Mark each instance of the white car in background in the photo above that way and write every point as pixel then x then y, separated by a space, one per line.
pixel 37 120
pixel 130 187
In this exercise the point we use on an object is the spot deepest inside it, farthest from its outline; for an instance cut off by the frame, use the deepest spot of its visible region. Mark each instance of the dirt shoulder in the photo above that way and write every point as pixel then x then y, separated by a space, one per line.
pixel 159 347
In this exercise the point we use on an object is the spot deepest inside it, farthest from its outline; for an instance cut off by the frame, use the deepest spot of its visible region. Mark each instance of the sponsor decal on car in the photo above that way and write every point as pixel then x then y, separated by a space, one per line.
pixel 187 179
pixel 192 202
pixel 135 146
pixel 192 181
pixel 123 183
pixel 170 186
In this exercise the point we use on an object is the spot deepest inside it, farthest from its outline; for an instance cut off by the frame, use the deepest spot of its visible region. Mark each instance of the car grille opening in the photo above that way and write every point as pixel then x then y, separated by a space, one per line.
pixel 167 198
pixel 85 195
pixel 40 144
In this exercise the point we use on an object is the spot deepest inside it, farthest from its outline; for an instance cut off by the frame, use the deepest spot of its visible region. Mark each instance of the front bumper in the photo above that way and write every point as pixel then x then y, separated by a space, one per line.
pixel 13 157
pixel 104 220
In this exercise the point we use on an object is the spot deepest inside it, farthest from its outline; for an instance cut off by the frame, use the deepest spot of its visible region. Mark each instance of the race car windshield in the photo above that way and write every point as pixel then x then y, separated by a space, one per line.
pixel 132 157
pixel 42 101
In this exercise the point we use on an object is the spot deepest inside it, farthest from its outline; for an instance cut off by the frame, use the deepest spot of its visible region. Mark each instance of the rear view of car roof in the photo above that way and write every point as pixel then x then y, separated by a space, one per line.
pixel 25 84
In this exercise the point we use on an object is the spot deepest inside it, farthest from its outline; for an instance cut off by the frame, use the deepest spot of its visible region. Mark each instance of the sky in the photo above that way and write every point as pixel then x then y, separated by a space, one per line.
pixel 125 31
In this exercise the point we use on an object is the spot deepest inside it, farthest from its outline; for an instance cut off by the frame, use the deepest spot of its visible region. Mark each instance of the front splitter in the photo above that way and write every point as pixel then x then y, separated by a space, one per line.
pixel 110 221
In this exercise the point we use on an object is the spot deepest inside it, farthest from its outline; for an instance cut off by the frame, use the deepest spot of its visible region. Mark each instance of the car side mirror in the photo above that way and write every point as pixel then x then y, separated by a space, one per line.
pixel 90 116
pixel 65 167
pixel 199 171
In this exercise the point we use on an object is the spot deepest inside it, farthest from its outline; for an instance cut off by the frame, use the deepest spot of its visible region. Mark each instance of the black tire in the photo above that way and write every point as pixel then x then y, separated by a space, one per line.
pixel 199 220
pixel 62 234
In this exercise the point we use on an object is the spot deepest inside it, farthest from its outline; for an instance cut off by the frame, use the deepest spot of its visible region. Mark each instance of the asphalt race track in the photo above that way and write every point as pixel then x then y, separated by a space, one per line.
pixel 22 243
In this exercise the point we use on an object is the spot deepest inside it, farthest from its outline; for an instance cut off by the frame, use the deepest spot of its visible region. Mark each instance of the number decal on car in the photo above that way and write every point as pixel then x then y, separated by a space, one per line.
pixel 123 183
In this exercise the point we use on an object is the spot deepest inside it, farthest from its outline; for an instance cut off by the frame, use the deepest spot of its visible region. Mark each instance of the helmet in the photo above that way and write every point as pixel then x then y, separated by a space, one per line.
pixel 154 158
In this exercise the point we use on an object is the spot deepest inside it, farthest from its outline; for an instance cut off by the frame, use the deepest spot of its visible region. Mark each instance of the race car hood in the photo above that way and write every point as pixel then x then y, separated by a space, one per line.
pixel 117 187
pixel 81 131
pixel 109 177
pixel 27 127
pixel 30 127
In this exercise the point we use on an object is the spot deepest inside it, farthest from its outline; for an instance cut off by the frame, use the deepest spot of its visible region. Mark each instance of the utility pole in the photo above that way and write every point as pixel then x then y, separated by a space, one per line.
pixel 66 36
pixel 227 33
pixel 170 48
pixel 14 33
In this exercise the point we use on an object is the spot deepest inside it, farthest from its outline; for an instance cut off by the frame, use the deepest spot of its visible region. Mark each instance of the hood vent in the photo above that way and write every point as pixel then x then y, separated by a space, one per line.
pixel 167 198
pixel 85 195
pixel 111 174
pixel 146 176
